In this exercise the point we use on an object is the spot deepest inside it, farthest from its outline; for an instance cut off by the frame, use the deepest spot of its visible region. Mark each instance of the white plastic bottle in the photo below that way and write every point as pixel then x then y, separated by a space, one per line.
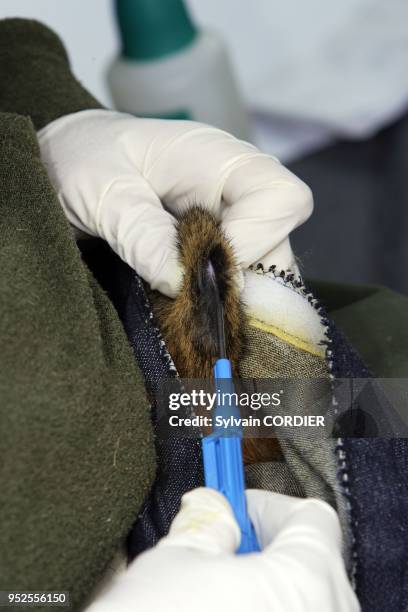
pixel 169 69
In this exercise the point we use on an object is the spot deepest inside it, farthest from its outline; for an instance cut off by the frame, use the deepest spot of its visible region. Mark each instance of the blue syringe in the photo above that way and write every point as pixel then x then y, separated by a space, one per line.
pixel 222 449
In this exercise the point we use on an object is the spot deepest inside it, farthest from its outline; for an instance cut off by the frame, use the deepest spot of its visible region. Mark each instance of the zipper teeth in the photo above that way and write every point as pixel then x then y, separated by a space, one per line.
pixel 164 353
pixel 150 319
pixel 297 284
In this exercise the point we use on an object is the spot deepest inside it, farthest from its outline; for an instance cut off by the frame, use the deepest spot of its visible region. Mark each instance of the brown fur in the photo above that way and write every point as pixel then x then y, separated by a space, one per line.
pixel 186 323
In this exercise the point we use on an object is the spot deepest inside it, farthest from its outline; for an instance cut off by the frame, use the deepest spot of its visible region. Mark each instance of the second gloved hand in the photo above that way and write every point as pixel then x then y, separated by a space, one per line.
pixel 126 180
pixel 194 568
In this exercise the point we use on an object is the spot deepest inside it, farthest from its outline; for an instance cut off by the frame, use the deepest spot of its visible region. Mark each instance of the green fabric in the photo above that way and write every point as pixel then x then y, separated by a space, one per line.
pixel 311 461
pixel 35 76
pixel 76 445
pixel 375 320
pixel 268 356
pixel 77 456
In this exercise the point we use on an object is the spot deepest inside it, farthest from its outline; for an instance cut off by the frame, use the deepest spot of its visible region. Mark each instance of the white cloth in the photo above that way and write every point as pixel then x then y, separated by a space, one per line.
pixel 300 568
pixel 342 65
pixel 313 71
pixel 283 308
pixel 127 180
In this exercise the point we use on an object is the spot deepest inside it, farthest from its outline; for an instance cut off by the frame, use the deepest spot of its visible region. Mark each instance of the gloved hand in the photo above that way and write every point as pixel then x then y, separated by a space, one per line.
pixel 195 569
pixel 126 179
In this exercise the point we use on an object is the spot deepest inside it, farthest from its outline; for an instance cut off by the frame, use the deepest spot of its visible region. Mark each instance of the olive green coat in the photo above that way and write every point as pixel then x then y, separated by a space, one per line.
pixel 76 446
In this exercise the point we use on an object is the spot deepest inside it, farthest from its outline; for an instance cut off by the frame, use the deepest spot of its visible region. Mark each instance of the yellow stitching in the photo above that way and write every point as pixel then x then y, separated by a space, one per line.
pixel 278 331
pixel 289 338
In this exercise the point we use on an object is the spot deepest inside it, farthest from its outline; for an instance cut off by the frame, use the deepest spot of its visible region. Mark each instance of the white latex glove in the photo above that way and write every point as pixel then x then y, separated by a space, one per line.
pixel 126 179
pixel 195 568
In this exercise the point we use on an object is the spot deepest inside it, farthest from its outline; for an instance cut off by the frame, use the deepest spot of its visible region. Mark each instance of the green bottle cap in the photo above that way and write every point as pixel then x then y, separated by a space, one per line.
pixel 153 28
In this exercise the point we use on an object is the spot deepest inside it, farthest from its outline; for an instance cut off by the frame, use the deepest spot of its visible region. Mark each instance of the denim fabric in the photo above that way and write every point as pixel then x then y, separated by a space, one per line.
pixel 179 460
pixel 373 472
pixel 377 487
